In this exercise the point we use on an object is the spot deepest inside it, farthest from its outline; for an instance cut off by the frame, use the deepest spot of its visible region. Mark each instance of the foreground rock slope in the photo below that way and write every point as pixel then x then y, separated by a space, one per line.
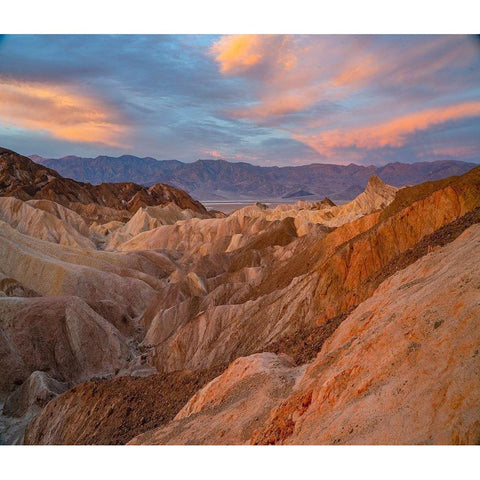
pixel 403 368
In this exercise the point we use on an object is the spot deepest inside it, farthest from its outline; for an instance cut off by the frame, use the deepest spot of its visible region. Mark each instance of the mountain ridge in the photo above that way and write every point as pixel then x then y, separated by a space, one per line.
pixel 221 179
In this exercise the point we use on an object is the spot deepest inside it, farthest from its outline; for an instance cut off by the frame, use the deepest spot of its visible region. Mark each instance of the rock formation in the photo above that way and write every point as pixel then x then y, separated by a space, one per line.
pixel 401 369
pixel 304 323
pixel 24 179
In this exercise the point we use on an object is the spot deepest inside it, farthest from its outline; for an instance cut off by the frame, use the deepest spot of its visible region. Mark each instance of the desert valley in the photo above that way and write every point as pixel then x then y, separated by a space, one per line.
pixel 132 314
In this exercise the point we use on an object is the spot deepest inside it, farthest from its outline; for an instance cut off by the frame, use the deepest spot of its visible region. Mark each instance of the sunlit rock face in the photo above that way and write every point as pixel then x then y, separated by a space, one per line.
pixel 401 369
pixel 269 325
pixel 306 282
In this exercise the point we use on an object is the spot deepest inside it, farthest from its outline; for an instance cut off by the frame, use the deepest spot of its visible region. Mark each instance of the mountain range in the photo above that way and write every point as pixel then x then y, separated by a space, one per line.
pixel 209 180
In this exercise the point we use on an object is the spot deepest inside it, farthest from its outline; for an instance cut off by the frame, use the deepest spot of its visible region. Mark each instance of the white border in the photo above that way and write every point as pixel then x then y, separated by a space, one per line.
pixel 246 463
pixel 246 16
pixel 239 16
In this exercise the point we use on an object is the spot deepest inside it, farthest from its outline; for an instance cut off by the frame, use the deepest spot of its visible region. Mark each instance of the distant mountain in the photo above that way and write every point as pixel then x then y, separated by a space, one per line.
pixel 219 179
pixel 298 194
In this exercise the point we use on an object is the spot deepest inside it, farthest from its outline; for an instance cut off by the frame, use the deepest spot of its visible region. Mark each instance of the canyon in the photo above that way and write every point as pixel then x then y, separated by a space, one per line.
pixel 132 314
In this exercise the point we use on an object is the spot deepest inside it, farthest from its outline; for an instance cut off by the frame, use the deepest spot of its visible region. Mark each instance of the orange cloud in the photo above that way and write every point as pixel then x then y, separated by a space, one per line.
pixel 393 133
pixel 300 73
pixel 238 53
pixel 235 53
pixel 60 112
pixel 297 72
pixel 277 105
pixel 213 153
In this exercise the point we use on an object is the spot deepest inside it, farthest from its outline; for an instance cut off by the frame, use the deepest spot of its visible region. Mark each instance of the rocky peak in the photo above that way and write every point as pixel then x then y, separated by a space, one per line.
pixel 327 202
pixel 376 184
pixel 378 189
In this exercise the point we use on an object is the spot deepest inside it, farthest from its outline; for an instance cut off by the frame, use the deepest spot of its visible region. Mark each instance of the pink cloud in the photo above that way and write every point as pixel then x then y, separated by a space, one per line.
pixel 382 91
pixel 213 153
pixel 61 112
pixel 392 133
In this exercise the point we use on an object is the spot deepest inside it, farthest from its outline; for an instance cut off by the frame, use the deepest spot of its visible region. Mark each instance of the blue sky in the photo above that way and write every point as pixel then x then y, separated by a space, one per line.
pixel 264 99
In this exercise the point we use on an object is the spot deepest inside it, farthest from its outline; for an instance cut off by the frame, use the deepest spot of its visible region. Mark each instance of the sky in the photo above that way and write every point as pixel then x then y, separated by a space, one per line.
pixel 263 99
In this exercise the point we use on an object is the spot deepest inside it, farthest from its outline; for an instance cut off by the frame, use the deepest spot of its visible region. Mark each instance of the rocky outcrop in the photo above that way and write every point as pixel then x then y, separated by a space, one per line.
pixel 401 369
pixel 333 275
pixel 33 395
pixel 26 180
pixel 61 336
pixel 204 237
pixel 111 412
pixel 377 196
pixel 149 218
pixel 121 289
pixel 228 410
pixel 26 218
pixel 53 269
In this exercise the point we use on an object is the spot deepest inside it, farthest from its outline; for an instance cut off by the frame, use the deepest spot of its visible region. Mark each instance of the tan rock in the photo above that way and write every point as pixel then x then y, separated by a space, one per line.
pixel 26 218
pixel 401 369
pixel 33 395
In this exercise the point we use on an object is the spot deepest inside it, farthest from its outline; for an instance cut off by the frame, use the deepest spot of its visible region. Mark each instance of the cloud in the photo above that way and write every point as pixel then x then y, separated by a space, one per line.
pixel 358 71
pixel 393 133
pixel 355 97
pixel 62 113
pixel 213 154
pixel 237 54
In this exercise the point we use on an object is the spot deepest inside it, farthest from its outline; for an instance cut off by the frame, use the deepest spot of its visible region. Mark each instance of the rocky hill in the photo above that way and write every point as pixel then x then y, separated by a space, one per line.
pixel 219 179
pixel 310 323
pixel 22 178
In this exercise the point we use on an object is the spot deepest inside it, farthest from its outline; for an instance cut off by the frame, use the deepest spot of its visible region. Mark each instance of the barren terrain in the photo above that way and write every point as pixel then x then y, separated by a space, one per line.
pixel 133 314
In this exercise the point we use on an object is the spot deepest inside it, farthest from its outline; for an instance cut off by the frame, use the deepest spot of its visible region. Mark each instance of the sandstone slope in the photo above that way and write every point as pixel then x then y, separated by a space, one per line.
pixel 403 368
pixel 304 283
pixel 61 336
